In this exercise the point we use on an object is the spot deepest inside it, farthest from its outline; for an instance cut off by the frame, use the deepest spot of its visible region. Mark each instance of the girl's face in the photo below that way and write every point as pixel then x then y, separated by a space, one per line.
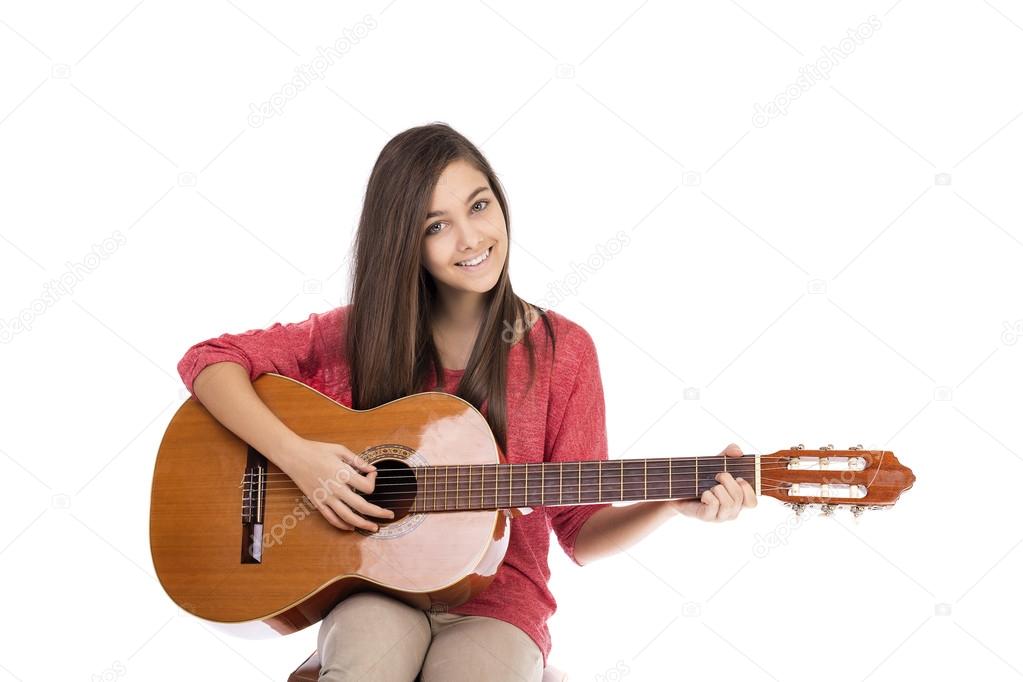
pixel 465 221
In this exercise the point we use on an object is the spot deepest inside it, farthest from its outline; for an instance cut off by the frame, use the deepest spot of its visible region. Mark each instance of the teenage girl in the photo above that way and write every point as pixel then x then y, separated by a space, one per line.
pixel 432 308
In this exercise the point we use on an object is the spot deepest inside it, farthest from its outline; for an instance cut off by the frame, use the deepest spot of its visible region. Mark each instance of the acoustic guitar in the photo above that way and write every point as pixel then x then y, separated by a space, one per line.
pixel 235 541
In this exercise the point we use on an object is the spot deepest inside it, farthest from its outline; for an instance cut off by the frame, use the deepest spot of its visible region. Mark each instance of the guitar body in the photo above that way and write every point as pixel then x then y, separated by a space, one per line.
pixel 284 568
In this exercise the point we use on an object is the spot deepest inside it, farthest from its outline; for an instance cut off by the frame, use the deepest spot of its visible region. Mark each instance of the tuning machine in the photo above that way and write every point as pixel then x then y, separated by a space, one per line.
pixel 858 446
pixel 829 446
pixel 797 447
pixel 827 509
pixel 796 507
pixel 857 510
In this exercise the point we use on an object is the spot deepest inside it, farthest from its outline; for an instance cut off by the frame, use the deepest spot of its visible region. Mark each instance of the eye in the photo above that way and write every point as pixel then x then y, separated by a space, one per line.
pixel 485 202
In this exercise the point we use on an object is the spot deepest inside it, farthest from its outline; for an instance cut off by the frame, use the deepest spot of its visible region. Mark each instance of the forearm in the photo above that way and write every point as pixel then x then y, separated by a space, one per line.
pixel 614 529
pixel 225 390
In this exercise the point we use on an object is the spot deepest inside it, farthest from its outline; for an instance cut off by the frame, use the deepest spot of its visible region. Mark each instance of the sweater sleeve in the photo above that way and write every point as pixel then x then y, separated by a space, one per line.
pixel 580 435
pixel 294 350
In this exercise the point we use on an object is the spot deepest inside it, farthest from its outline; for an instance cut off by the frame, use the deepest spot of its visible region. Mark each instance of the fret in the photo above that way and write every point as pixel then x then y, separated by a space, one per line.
pixel 658 487
pixel 465 494
pixel 600 473
pixel 633 478
pixel 644 480
pixel 712 466
pixel 493 505
pixel 519 467
pixel 696 479
pixel 525 489
pixel 445 487
pixel 561 479
pixel 552 487
pixel 542 469
pixel 621 472
pixel 579 489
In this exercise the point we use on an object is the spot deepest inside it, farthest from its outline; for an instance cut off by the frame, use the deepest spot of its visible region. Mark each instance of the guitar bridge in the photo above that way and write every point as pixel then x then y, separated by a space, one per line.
pixel 253 507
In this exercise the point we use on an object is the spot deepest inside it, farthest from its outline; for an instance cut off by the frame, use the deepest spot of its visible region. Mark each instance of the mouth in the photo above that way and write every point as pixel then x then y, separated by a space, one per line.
pixel 476 262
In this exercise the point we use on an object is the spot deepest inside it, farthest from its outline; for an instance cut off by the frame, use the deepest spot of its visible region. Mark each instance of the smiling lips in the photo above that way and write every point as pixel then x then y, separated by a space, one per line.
pixel 477 260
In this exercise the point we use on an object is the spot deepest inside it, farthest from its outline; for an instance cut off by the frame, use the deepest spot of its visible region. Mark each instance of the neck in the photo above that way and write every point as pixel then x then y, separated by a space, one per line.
pixel 459 310
pixel 551 484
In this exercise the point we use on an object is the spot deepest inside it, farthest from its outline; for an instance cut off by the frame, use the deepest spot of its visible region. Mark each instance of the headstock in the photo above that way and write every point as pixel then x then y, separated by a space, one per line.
pixel 855 478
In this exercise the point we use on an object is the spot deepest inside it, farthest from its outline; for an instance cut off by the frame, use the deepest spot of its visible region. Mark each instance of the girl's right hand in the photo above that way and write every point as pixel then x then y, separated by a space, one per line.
pixel 327 474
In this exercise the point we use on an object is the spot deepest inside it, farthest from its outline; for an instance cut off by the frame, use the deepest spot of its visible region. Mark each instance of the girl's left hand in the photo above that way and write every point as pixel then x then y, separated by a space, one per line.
pixel 724 501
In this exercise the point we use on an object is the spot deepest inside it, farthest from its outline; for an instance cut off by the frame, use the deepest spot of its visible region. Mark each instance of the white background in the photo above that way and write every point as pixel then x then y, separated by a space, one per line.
pixel 847 273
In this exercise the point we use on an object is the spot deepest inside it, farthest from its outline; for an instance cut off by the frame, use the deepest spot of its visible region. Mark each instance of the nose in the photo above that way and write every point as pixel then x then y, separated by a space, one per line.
pixel 470 238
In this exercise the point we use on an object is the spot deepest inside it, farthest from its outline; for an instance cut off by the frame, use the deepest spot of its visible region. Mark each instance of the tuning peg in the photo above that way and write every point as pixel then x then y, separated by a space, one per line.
pixel 796 447
pixel 858 446
pixel 857 510
pixel 796 507
pixel 827 509
pixel 829 446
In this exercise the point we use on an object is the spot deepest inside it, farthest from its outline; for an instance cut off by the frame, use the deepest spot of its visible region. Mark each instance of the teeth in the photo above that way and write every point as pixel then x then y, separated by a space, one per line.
pixel 476 261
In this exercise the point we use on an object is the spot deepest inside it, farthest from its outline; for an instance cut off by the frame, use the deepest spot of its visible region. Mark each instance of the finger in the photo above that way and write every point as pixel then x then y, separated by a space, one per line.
pixel 350 516
pixel 732 450
pixel 728 506
pixel 333 519
pixel 749 496
pixel 361 504
pixel 733 488
pixel 362 483
pixel 355 461
pixel 711 505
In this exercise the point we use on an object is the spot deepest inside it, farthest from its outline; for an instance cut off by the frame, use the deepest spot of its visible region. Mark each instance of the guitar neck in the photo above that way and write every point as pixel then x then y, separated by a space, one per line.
pixel 553 484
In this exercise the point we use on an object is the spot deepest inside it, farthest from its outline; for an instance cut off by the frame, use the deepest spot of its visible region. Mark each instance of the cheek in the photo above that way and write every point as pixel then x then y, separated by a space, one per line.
pixel 433 259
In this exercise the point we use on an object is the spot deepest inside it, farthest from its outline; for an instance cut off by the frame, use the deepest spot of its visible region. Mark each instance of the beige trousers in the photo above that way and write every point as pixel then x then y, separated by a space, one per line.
pixel 372 637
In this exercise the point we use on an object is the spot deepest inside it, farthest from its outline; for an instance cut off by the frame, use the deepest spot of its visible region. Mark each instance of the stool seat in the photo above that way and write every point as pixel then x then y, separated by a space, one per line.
pixel 310 671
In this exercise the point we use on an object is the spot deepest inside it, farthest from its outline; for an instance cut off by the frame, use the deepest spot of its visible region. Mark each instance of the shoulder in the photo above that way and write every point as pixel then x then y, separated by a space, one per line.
pixel 574 344
pixel 328 327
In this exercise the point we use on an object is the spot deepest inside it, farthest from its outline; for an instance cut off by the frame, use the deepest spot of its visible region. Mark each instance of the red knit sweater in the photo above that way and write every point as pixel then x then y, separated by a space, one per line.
pixel 561 419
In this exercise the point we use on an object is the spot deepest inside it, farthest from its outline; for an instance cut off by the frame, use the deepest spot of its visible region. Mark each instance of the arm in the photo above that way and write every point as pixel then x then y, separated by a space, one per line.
pixel 225 390
pixel 219 373
pixel 615 529
pixel 610 531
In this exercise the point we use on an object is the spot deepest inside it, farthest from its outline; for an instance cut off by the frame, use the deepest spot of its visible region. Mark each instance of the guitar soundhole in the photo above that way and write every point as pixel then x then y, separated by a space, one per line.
pixel 395 488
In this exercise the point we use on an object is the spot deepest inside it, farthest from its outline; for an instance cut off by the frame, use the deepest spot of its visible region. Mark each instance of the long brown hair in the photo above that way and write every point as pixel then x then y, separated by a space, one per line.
pixel 389 330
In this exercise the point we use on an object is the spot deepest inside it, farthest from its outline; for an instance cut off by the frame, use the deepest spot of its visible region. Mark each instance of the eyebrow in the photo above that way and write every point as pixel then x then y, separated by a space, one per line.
pixel 434 214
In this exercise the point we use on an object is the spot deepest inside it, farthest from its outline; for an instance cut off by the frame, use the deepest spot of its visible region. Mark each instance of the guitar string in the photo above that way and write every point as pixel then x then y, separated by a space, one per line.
pixel 427 498
pixel 435 479
pixel 678 464
pixel 513 504
pixel 464 486
pixel 392 473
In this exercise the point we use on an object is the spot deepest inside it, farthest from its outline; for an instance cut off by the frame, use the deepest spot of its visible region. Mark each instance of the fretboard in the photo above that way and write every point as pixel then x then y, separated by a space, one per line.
pixel 550 484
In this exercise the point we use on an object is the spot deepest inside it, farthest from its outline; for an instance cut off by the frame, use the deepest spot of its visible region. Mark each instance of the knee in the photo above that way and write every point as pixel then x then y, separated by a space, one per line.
pixel 371 636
